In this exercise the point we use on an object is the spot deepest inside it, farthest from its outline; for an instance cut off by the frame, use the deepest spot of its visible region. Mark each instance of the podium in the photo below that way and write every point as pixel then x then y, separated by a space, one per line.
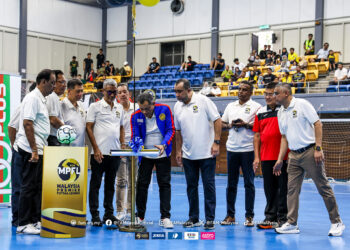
pixel 64 191
pixel 133 227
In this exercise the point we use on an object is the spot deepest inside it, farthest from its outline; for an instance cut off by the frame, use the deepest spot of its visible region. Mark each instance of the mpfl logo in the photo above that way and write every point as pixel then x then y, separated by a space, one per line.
pixel 69 170
pixel 207 235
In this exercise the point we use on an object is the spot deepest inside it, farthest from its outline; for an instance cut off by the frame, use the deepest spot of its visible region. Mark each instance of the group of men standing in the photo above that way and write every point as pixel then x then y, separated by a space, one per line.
pixel 257 135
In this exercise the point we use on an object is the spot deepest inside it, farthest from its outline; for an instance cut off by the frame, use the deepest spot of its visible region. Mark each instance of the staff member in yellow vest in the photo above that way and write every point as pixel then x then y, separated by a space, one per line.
pixel 301 131
pixel 32 136
pixel 104 126
pixel 309 46
pixel 73 112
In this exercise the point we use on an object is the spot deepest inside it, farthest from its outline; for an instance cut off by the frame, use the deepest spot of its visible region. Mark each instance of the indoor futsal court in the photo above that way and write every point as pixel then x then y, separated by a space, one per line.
pixel 112 110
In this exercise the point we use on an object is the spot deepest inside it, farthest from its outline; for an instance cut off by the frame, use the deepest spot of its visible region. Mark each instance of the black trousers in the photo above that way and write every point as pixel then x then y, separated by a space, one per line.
pixel 163 171
pixel 275 188
pixel 53 141
pixel 16 182
pixel 29 208
pixel 109 167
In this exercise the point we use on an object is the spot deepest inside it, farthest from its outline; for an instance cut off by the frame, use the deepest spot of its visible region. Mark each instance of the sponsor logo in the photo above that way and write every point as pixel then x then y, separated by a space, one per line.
pixel 195 109
pixel 140 120
pixel 162 117
pixel 142 236
pixel 247 110
pixel 207 235
pixel 295 114
pixel 117 113
pixel 191 235
pixel 69 170
pixel 158 236
pixel 174 235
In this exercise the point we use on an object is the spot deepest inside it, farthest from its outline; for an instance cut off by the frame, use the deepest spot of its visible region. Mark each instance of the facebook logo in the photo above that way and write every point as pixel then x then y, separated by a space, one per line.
pixel 174 235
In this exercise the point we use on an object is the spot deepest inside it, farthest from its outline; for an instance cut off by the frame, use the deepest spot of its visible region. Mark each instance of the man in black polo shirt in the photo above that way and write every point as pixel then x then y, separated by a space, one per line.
pixel 153 67
pixel 269 77
pixel 87 65
pixel 218 63
pixel 263 53
pixel 267 140
pixel 100 57
pixel 188 66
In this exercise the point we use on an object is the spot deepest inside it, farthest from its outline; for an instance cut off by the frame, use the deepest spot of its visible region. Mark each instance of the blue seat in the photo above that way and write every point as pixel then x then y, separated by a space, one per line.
pixel 167 84
pixel 209 74
pixel 174 70
pixel 148 77
pixel 170 76
pixel 199 74
pixel 192 74
pixel 343 88
pixel 205 67
pixel 157 84
pixel 162 76
pixel 148 85
pixel 332 89
pixel 197 81
pixel 155 76
pixel 197 67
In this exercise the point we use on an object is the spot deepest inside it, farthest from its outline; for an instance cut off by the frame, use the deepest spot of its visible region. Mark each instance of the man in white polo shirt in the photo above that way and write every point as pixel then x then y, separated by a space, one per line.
pixel 73 112
pixel 54 107
pixel 198 131
pixel 301 131
pixel 239 119
pixel 104 126
pixel 32 136
pixel 124 170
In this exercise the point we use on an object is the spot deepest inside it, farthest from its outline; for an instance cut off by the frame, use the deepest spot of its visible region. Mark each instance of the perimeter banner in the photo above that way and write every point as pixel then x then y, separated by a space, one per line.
pixel 63 209
pixel 10 98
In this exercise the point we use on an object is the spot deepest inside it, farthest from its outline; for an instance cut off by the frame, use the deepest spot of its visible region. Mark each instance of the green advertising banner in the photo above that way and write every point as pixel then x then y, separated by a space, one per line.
pixel 10 92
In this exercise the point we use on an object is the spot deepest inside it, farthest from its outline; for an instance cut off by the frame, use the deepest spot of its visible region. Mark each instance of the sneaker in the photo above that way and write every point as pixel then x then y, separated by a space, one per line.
pixel 336 229
pixel 266 224
pixel 96 221
pixel 287 228
pixel 209 225
pixel 166 223
pixel 139 221
pixel 192 223
pixel 249 222
pixel 228 221
pixel 37 225
pixel 111 220
pixel 121 216
pixel 27 229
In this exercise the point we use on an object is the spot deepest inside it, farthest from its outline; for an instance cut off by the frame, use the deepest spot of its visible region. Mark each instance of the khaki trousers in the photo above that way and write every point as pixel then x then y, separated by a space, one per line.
pixel 297 165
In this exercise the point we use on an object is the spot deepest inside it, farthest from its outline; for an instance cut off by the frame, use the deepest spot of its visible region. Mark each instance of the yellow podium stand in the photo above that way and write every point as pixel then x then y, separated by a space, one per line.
pixel 64 189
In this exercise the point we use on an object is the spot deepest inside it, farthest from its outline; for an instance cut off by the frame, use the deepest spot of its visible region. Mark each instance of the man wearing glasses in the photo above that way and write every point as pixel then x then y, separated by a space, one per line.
pixel 32 136
pixel 198 131
pixel 239 118
pixel 267 140
pixel 301 131
pixel 104 126
pixel 54 107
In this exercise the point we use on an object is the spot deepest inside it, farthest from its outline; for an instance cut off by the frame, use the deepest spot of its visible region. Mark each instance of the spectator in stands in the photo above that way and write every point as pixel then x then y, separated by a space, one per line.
pixel 88 65
pixel 73 67
pixel 302 62
pixel 99 84
pixel 125 70
pixel 107 68
pixel 269 62
pixel 251 58
pixel 245 72
pixel 284 52
pixel 340 75
pixel 269 49
pixel 309 46
pixel 331 59
pixel 112 70
pixel 100 57
pixel 269 77
pixel 298 77
pixel 285 77
pixel 292 56
pixel 153 67
pixel 215 91
pixel 189 65
pixel 257 60
pixel 102 70
pixel 238 65
pixel 236 74
pixel 322 54
pixel 276 58
pixel 92 75
pixel 226 74
pixel 256 70
pixel 285 64
pixel 252 77
pixel 79 77
pixel 263 53
pixel 206 89
pixel 218 63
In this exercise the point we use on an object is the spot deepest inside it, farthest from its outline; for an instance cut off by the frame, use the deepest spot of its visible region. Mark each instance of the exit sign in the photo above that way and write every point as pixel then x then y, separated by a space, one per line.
pixel 264 27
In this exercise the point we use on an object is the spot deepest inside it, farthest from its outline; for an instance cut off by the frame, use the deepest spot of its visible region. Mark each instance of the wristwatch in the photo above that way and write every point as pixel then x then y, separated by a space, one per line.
pixel 217 142
pixel 318 148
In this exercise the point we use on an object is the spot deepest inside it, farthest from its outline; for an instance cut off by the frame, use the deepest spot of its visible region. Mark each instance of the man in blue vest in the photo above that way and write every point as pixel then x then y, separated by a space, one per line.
pixel 154 124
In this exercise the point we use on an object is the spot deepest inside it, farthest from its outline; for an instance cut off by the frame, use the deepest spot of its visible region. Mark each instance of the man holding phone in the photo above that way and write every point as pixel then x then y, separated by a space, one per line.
pixel 239 118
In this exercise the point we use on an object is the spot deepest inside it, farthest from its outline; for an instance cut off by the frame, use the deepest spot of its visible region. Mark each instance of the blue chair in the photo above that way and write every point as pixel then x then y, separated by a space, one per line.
pixel 148 85
pixel 197 81
pixel 205 67
pixel 343 88
pixel 197 67
pixel 332 89
pixel 192 74
pixel 170 76
pixel 148 77
pixel 174 70
pixel 199 74
pixel 155 76
pixel 209 74
pixel 157 84
pixel 162 76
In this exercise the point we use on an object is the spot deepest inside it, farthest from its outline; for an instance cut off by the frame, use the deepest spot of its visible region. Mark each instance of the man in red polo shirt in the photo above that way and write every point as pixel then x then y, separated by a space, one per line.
pixel 267 141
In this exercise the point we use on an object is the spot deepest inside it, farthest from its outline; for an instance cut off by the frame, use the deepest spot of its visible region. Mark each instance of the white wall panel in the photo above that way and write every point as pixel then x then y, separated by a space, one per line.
pixel 242 48
pixel 333 34
pixel 291 39
pixel 9 13
pixel 45 55
pixel 65 19
pixel 346 51
pixel 58 55
pixel 32 55
pixel 1 50
pixel 153 50
pixel 117 20
pixel 71 49
pixel 336 8
pixel 227 46
pixel 205 50
pixel 10 52
pixel 304 36
pixel 141 60
pixel 121 58
pixel 192 49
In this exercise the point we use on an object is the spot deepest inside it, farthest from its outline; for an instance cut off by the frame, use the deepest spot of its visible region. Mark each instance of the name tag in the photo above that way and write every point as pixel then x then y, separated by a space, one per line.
pixel 140 120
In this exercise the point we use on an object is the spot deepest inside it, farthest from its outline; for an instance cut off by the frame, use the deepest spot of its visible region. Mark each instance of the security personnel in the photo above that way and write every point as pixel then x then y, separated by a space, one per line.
pixel 309 45
pixel 153 123
pixel 301 131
